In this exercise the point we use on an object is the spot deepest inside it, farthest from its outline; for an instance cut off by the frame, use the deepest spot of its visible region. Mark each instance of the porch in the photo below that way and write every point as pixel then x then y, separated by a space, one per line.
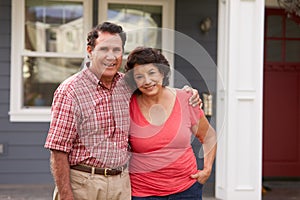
pixel 279 190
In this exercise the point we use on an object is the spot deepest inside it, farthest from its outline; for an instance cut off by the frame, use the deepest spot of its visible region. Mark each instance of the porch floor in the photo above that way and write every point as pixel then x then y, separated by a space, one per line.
pixel 278 190
pixel 281 190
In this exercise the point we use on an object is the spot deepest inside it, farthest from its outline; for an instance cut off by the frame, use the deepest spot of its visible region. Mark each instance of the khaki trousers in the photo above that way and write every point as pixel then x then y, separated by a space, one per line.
pixel 87 186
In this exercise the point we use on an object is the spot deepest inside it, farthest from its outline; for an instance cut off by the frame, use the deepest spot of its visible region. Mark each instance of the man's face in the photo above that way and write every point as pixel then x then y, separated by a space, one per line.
pixel 106 57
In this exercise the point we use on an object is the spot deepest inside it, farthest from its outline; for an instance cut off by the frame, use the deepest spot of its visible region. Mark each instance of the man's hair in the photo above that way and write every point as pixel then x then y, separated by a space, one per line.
pixel 105 27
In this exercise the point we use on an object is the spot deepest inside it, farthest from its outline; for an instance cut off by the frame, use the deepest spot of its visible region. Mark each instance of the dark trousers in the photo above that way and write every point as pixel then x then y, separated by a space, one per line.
pixel 192 193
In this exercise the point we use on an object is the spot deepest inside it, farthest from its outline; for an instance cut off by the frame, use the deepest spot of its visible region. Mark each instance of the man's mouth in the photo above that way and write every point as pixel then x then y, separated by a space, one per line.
pixel 110 64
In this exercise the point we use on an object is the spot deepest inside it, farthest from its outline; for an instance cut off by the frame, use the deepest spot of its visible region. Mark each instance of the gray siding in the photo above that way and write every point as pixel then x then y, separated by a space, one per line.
pixel 188 15
pixel 195 63
pixel 24 161
pixel 195 68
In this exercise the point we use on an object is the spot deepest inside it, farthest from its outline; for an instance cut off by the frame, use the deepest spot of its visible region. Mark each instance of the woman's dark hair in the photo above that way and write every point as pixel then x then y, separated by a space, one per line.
pixel 105 27
pixel 146 55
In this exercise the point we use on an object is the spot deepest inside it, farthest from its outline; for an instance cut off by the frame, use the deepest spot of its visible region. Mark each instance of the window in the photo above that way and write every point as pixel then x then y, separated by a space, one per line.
pixel 48 45
pixel 282 38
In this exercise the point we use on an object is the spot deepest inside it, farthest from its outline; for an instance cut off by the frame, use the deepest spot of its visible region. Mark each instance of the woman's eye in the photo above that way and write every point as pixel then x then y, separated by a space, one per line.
pixel 138 77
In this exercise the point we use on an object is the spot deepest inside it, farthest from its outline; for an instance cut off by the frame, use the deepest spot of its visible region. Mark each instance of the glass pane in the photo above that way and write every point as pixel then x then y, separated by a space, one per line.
pixel 293 51
pixel 41 76
pixel 54 26
pixel 274 28
pixel 292 29
pixel 274 50
pixel 134 19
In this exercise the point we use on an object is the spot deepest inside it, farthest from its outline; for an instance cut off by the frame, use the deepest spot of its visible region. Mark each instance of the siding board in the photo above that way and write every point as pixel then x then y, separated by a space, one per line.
pixel 23 127
pixel 5 12
pixel 6 24
pixel 23 138
pixel 3 111
pixel 4 54
pixel 26 178
pixel 4 68
pixel 5 3
pixel 4 82
pixel 24 166
pixel 5 41
pixel 4 97
pixel 28 152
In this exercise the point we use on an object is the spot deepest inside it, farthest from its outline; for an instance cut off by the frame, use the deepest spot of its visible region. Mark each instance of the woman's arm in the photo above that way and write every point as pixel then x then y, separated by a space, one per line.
pixel 207 136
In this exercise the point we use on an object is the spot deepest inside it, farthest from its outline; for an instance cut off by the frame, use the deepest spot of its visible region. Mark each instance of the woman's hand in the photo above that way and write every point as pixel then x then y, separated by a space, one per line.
pixel 202 175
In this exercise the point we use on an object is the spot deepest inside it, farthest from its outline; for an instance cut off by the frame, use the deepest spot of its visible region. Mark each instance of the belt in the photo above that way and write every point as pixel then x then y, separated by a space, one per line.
pixel 101 171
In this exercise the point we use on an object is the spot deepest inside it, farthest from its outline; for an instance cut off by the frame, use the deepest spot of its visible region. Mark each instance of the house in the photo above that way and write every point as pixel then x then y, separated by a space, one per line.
pixel 214 46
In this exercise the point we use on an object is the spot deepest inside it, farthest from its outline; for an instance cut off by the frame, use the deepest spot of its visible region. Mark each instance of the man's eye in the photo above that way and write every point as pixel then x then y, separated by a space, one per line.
pixel 103 49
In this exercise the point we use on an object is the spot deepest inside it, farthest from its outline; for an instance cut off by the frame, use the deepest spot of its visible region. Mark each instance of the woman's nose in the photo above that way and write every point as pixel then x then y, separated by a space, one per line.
pixel 147 79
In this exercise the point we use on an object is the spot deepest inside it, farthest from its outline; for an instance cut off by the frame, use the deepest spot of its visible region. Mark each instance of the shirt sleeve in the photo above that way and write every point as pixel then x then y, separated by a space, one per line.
pixel 62 131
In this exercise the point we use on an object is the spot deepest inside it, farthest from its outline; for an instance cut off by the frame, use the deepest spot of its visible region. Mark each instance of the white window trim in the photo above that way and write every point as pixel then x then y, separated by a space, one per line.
pixel 168 9
pixel 17 112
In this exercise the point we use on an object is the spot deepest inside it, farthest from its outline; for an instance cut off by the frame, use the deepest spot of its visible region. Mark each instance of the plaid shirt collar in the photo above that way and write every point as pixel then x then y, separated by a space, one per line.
pixel 95 81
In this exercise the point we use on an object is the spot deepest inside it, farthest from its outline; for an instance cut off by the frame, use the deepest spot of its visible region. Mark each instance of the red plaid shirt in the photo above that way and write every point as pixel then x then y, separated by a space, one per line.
pixel 91 122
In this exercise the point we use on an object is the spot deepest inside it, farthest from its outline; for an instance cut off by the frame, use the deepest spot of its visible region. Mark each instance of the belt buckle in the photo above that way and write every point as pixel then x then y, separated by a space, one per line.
pixel 105 171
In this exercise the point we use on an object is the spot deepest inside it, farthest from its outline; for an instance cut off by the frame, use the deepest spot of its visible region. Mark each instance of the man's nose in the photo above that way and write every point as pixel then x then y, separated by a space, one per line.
pixel 111 55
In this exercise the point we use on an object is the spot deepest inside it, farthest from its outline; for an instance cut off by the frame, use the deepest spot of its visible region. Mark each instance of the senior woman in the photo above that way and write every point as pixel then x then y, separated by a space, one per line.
pixel 163 164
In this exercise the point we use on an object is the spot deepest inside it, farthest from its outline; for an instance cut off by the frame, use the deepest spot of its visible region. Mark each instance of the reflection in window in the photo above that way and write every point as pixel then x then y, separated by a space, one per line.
pixel 274 26
pixel 141 23
pixel 282 38
pixel 293 49
pixel 274 50
pixel 41 76
pixel 292 29
pixel 53 26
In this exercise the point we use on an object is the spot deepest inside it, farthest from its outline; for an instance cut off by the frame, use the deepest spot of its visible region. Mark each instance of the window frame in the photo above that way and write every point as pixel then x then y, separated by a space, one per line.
pixel 19 113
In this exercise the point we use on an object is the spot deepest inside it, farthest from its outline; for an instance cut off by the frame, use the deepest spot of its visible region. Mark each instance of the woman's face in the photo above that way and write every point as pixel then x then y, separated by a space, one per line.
pixel 148 78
